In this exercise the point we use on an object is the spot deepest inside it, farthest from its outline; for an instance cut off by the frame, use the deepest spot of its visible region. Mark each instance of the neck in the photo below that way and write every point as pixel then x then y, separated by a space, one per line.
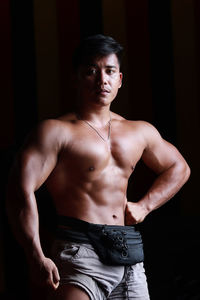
pixel 98 116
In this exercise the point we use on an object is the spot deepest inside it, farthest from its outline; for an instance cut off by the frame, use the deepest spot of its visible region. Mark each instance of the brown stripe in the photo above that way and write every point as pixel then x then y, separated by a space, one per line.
pixel 114 24
pixel 187 101
pixel 137 28
pixel 45 23
pixel 68 38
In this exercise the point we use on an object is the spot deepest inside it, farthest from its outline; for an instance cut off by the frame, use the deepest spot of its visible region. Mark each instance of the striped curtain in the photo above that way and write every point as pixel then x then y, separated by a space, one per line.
pixel 161 67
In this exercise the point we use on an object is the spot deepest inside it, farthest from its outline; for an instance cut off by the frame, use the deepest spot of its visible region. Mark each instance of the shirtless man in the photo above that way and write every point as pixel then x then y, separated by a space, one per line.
pixel 85 159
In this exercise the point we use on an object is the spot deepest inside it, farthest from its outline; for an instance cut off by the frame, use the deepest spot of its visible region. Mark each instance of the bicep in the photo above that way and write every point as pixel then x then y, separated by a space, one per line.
pixel 159 155
pixel 34 166
pixel 38 157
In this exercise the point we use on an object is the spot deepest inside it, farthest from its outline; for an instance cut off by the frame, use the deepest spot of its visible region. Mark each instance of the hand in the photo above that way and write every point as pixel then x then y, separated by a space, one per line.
pixel 44 273
pixel 134 213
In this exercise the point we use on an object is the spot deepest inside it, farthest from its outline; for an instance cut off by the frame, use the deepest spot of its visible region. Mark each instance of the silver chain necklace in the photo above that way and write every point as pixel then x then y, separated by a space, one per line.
pixel 99 134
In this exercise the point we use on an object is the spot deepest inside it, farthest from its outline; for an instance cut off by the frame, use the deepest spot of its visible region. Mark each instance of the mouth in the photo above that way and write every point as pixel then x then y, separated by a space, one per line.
pixel 103 91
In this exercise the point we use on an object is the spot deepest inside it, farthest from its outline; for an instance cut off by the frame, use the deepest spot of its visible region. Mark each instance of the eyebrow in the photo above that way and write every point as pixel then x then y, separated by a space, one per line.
pixel 111 67
pixel 108 66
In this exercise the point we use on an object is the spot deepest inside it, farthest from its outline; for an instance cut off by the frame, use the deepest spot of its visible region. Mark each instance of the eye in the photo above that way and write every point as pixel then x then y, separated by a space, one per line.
pixel 110 71
pixel 90 71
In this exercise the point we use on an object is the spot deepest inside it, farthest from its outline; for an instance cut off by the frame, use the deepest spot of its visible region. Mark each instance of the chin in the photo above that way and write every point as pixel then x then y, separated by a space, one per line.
pixel 103 102
pixel 104 99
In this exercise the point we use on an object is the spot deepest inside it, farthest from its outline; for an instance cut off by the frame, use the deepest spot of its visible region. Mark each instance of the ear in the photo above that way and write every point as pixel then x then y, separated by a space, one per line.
pixel 120 79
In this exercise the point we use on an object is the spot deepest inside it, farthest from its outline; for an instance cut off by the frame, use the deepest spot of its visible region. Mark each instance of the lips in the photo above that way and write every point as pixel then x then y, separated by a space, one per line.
pixel 103 91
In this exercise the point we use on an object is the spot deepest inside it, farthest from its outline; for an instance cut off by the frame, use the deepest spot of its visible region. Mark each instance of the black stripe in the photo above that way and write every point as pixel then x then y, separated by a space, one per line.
pixel 163 88
pixel 162 65
pixel 24 73
pixel 90 17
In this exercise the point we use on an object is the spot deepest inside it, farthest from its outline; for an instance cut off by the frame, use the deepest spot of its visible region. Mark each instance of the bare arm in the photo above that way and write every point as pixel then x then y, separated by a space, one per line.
pixel 33 165
pixel 172 170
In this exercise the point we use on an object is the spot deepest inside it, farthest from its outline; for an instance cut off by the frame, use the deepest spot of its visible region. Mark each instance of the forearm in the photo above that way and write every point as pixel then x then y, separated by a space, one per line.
pixel 23 218
pixel 165 187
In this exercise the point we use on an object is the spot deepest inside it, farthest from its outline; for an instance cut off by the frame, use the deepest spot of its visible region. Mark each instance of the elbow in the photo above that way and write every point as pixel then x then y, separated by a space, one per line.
pixel 188 172
pixel 185 171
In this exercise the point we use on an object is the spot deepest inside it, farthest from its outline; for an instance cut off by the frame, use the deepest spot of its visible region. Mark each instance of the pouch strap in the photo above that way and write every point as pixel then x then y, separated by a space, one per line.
pixel 73 222
pixel 84 226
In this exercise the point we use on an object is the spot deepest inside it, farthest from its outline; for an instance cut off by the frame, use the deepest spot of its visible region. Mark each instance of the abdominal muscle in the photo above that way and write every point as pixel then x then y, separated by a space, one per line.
pixel 90 179
pixel 95 202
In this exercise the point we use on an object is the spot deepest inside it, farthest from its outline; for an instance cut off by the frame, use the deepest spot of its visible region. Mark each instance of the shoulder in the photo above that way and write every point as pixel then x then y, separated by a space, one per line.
pixel 137 124
pixel 144 131
pixel 148 132
pixel 49 134
pixel 48 131
pixel 117 117
pixel 57 127
pixel 143 128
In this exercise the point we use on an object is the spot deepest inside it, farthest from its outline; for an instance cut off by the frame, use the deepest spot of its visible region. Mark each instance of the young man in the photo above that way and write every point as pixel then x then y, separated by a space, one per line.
pixel 85 159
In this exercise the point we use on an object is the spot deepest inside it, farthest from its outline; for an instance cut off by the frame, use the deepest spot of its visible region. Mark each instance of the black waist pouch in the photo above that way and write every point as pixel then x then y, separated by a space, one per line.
pixel 115 245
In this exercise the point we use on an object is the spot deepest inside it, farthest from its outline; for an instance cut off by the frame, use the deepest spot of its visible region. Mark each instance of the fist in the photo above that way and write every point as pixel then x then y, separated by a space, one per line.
pixel 44 273
pixel 134 213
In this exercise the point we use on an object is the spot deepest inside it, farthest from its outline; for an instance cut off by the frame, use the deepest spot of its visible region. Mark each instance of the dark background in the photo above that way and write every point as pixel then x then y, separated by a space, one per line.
pixel 161 85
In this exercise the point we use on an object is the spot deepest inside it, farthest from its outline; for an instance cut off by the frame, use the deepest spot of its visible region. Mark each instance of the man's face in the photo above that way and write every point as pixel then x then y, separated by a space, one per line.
pixel 100 80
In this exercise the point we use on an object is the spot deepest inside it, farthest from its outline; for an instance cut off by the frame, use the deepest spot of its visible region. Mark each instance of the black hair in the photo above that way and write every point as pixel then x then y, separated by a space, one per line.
pixel 96 46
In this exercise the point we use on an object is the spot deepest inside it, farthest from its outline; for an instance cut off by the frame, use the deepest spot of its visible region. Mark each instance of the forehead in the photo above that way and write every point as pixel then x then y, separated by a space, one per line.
pixel 110 60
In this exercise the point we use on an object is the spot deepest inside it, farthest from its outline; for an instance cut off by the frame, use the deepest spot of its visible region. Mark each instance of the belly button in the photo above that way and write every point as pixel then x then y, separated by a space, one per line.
pixel 114 216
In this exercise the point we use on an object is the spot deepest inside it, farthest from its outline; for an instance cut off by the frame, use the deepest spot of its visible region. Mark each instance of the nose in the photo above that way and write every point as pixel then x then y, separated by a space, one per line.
pixel 102 78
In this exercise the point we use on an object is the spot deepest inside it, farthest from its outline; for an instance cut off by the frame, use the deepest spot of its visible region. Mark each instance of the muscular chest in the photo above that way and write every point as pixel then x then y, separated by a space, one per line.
pixel 87 153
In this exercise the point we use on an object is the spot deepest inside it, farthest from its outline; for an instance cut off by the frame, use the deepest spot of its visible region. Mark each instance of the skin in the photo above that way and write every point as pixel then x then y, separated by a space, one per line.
pixel 86 175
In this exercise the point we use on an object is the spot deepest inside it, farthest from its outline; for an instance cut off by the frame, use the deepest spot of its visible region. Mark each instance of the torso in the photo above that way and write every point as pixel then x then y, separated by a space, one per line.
pixel 90 179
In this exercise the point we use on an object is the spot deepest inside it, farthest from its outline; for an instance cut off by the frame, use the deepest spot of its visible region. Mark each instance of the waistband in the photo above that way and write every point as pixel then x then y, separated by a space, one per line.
pixel 77 230
pixel 84 226
pixel 72 235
